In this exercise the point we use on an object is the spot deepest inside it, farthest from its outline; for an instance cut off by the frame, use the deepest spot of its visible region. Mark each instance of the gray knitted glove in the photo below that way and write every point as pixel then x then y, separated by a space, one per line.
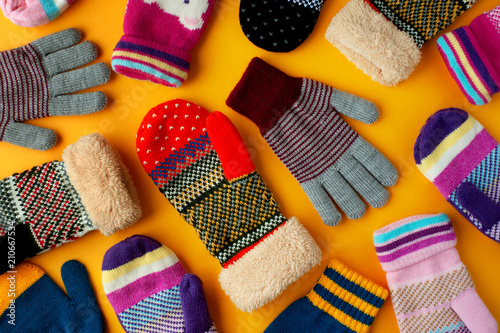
pixel 34 83
pixel 299 118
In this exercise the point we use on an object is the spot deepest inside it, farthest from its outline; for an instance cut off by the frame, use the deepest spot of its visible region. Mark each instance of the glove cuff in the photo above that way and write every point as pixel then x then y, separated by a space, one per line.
pixel 103 183
pixel 472 56
pixel 412 240
pixel 277 261
pixel 264 94
pixel 144 59
pixel 374 44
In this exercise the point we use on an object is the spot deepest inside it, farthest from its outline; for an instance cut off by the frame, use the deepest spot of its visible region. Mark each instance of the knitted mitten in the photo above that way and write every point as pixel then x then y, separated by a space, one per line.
pixel 279 26
pixel 299 118
pixel 201 165
pixel 58 202
pixel 341 301
pixel 383 37
pixel 158 37
pixel 147 287
pixel 34 86
pixel 472 55
pixel 461 159
pixel 31 302
pixel 431 288
pixel 32 13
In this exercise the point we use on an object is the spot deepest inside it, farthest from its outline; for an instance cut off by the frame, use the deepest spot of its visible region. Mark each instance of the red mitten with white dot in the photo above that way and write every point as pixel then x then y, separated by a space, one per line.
pixel 200 163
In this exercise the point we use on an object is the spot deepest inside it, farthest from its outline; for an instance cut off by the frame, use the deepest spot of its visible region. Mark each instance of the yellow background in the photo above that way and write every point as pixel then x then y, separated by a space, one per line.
pixel 218 61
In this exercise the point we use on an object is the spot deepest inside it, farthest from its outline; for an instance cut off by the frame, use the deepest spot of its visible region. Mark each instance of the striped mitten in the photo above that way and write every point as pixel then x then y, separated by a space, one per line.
pixel 36 82
pixel 456 153
pixel 341 301
pixel 57 202
pixel 431 289
pixel 200 163
pixel 299 118
pixel 149 289
pixel 383 38
pixel 32 13
pixel 159 34
pixel 472 55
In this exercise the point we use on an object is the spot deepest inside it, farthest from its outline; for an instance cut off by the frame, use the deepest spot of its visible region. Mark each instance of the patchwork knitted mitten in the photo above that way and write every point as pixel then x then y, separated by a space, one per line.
pixel 462 160
pixel 431 289
pixel 201 165
pixel 159 34
pixel 33 13
pixel 383 37
pixel 341 301
pixel 472 55
pixel 279 26
pixel 31 302
pixel 299 118
pixel 35 83
pixel 57 202
pixel 150 290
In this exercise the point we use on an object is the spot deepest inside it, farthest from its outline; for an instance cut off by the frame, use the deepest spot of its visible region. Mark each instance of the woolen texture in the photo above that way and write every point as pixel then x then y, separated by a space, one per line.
pixel 201 165
pixel 299 118
pixel 431 289
pixel 462 160
pixel 32 13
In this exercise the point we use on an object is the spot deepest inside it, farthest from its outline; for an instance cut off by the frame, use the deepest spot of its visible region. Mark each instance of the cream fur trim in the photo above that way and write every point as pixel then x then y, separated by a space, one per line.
pixel 373 44
pixel 101 179
pixel 269 268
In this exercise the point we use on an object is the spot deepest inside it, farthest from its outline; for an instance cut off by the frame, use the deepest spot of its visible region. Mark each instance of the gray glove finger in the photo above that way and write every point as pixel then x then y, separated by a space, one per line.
pixel 362 181
pixel 343 194
pixel 376 163
pixel 69 105
pixel 353 106
pixel 29 136
pixel 70 58
pixel 79 79
pixel 57 41
pixel 322 202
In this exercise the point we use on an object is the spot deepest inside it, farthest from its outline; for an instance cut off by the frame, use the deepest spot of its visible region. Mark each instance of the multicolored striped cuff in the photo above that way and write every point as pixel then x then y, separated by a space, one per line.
pixel 449 147
pixel 469 65
pixel 351 299
pixel 413 239
pixel 143 59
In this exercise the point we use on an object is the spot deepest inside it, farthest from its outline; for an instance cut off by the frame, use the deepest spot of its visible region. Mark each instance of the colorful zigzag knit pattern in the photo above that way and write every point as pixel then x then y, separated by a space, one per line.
pixel 341 301
pixel 141 279
pixel 465 52
pixel 454 148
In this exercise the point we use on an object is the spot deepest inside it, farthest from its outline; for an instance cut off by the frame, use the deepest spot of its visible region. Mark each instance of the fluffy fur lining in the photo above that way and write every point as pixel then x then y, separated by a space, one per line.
pixel 267 270
pixel 373 44
pixel 103 182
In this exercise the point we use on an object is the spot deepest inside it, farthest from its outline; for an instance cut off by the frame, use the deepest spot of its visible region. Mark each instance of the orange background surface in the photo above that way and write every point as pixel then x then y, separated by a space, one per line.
pixel 218 61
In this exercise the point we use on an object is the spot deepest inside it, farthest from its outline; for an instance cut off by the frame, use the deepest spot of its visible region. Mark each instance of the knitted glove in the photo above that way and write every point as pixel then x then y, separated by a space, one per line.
pixel 431 288
pixel 149 289
pixel 341 301
pixel 299 119
pixel 383 37
pixel 279 26
pixel 201 165
pixel 158 37
pixel 460 158
pixel 472 55
pixel 31 302
pixel 57 202
pixel 33 85
pixel 33 13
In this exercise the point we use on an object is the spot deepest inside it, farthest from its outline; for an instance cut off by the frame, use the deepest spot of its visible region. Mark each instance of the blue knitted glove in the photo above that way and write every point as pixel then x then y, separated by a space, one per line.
pixel 41 306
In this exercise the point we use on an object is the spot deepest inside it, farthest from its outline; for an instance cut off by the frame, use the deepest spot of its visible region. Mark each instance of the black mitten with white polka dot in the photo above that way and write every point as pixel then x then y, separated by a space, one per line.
pixel 279 25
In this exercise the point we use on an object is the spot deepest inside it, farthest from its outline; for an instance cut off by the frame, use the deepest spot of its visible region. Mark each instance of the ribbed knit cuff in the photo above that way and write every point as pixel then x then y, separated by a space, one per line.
pixel 264 94
pixel 350 298
pixel 412 240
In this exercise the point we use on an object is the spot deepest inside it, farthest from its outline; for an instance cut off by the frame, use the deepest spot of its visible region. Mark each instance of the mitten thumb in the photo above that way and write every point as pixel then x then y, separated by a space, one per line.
pixel 478 204
pixel 474 313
